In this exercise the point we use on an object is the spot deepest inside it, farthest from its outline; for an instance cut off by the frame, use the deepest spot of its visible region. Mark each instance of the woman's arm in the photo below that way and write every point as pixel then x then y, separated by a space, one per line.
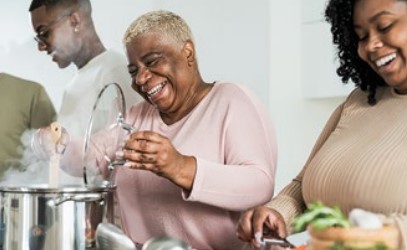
pixel 289 202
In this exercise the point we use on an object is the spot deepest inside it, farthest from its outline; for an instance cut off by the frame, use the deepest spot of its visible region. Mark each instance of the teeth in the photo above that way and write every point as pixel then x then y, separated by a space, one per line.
pixel 156 89
pixel 384 60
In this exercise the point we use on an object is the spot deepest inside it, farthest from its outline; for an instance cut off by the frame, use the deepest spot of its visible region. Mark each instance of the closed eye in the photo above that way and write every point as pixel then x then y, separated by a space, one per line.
pixel 152 62
pixel 385 28
pixel 362 36
pixel 133 71
pixel 43 33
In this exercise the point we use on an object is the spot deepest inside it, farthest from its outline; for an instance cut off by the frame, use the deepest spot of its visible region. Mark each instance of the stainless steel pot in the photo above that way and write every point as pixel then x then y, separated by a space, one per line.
pixel 41 218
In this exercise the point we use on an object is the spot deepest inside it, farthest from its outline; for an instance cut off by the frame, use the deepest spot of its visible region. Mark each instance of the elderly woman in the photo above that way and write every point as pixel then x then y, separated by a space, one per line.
pixel 202 151
pixel 359 160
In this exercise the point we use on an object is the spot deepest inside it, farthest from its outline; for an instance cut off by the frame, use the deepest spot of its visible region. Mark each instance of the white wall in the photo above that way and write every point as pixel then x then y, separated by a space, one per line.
pixel 255 43
pixel 298 120
pixel 221 28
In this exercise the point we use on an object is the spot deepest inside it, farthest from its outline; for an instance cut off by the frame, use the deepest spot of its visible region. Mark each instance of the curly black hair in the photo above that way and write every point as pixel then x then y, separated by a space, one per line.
pixel 339 13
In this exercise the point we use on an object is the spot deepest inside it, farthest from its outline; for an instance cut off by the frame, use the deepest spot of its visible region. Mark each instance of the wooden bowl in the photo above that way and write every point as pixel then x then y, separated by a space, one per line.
pixel 353 237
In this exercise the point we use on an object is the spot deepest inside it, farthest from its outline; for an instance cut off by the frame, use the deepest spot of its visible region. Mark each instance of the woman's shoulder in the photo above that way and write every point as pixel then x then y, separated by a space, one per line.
pixel 232 91
pixel 235 96
pixel 228 86
pixel 360 96
pixel 357 94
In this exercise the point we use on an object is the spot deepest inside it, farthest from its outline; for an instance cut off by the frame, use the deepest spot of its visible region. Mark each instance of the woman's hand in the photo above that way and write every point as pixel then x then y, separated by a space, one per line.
pixel 260 221
pixel 151 151
pixel 50 140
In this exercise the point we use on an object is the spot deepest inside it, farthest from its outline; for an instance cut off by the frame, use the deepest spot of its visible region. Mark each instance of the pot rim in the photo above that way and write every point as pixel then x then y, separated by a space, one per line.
pixel 43 188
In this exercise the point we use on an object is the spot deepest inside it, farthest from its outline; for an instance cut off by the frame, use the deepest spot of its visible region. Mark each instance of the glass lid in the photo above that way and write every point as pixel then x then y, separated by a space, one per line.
pixel 104 133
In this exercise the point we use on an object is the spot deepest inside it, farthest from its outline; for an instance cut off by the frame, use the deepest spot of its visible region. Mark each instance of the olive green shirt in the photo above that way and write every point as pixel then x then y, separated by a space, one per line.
pixel 23 105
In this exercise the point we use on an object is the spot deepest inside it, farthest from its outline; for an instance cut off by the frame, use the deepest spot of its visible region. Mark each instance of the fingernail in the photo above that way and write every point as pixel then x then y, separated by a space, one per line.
pixel 119 154
pixel 127 164
pixel 257 237
pixel 107 158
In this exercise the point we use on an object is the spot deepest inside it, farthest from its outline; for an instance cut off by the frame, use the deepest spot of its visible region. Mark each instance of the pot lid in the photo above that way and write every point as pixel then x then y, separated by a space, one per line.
pixel 108 112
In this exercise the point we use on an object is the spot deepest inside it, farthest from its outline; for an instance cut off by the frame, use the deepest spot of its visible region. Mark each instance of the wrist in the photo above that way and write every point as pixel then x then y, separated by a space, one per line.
pixel 186 171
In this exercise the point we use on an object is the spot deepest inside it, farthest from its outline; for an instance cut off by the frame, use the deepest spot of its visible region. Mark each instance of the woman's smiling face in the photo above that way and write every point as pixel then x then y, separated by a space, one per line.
pixel 160 70
pixel 381 26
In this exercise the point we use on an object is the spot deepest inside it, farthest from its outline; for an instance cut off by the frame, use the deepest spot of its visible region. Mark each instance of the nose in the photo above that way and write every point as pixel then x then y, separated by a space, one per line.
pixel 374 43
pixel 143 75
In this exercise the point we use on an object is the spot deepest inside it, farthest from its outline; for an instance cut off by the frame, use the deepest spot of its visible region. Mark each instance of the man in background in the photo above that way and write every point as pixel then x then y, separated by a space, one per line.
pixel 65 31
pixel 24 105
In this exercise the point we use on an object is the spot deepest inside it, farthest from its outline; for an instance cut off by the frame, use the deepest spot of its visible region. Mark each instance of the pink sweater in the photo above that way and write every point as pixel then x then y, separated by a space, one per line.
pixel 234 143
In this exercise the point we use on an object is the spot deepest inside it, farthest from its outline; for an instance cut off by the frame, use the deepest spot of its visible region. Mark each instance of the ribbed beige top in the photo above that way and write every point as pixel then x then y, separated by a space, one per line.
pixel 359 161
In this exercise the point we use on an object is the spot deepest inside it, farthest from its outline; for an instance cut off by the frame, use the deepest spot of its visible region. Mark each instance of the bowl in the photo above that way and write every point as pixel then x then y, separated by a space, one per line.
pixel 353 237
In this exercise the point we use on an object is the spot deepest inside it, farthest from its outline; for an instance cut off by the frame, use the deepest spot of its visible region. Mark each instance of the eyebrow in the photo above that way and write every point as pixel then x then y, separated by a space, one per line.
pixel 375 17
pixel 381 13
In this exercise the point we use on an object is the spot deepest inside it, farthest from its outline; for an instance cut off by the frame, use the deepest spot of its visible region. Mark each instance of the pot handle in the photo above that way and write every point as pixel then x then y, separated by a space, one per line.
pixel 76 197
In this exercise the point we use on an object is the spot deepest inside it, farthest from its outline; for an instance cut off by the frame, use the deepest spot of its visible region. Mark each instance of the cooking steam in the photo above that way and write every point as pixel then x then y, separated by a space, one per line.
pixel 32 171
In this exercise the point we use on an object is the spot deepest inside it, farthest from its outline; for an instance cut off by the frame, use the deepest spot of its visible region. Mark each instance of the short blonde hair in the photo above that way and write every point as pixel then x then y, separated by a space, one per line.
pixel 166 23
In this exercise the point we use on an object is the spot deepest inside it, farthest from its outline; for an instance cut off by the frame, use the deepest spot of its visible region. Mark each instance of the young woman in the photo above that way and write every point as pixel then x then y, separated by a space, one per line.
pixel 360 158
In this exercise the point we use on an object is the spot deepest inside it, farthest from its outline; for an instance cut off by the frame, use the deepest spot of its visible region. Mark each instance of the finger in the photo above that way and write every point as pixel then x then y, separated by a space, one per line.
pixel 142 146
pixel 281 227
pixel 147 135
pixel 276 222
pixel 139 157
pixel 244 229
pixel 259 218
pixel 135 165
pixel 144 166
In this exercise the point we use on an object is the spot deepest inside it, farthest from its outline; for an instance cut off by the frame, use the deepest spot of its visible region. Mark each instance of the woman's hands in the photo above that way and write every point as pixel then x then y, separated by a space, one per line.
pixel 151 151
pixel 260 221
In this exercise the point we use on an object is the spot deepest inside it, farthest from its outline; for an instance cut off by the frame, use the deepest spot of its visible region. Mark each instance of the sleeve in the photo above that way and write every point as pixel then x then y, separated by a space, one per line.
pixel 42 111
pixel 246 177
pixel 289 202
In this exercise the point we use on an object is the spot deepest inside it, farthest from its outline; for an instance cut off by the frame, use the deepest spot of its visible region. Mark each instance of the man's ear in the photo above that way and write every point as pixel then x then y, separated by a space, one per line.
pixel 75 19
pixel 189 52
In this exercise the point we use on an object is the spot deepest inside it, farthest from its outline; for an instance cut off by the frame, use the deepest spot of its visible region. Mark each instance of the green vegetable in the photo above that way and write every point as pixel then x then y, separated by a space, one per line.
pixel 320 217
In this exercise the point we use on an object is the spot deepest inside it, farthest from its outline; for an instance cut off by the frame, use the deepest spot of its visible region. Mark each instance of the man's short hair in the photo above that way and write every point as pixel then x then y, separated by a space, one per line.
pixel 60 3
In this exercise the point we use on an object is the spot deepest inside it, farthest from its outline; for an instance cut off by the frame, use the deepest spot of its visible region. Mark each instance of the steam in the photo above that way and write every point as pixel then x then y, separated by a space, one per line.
pixel 106 130
pixel 30 171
